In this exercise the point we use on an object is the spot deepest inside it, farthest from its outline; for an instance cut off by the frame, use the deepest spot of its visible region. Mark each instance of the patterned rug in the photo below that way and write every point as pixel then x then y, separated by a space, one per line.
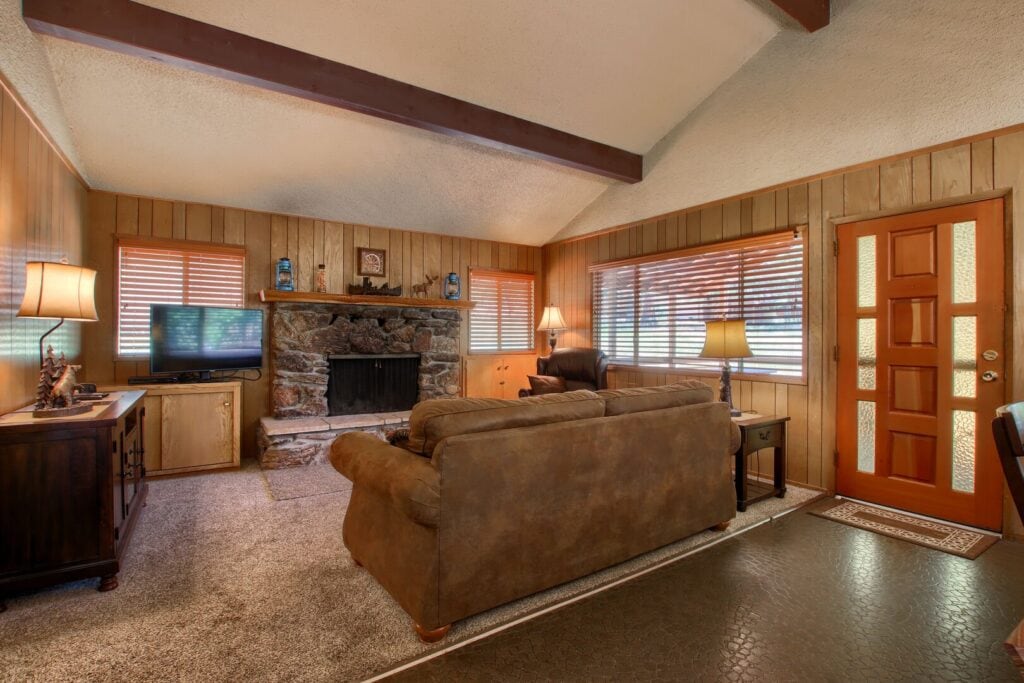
pixel 931 534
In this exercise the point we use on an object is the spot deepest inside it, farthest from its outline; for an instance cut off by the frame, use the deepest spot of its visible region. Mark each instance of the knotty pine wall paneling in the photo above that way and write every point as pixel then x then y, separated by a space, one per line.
pixel 913 181
pixel 307 242
pixel 42 217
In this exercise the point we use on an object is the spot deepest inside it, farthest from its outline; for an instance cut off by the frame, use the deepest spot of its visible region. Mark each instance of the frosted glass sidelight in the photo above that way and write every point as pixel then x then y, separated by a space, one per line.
pixel 963 450
pixel 866 271
pixel 964 263
pixel 865 436
pixel 965 356
pixel 866 353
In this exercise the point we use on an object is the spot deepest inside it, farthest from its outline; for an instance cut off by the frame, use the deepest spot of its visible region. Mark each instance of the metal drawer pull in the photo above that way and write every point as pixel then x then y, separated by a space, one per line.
pixel 764 436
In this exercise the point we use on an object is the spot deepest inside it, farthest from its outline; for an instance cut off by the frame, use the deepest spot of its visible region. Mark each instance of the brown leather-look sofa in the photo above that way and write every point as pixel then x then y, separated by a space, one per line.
pixel 491 500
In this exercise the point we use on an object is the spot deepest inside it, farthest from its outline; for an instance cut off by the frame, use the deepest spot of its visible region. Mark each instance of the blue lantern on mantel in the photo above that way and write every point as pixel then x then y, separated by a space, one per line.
pixel 285 281
pixel 452 286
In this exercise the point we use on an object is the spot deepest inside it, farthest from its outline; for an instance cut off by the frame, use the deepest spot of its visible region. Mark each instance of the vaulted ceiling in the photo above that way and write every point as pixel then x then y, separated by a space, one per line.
pixel 619 73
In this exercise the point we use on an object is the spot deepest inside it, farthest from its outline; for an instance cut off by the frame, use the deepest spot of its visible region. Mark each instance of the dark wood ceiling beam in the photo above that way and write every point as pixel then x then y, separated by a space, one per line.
pixel 811 14
pixel 139 30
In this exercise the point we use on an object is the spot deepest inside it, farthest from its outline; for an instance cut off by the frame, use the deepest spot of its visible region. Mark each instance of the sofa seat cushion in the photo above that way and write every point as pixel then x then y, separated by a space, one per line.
pixel 642 399
pixel 438 418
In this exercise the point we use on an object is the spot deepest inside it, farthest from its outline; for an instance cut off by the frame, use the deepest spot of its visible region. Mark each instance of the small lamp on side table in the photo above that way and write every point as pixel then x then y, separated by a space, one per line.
pixel 552 322
pixel 725 339
pixel 57 291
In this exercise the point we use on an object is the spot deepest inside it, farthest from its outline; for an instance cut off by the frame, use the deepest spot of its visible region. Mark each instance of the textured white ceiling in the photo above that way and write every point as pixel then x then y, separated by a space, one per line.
pixel 883 78
pixel 622 73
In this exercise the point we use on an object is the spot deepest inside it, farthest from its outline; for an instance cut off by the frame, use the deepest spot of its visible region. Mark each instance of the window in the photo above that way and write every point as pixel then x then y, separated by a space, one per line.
pixel 502 319
pixel 650 311
pixel 163 272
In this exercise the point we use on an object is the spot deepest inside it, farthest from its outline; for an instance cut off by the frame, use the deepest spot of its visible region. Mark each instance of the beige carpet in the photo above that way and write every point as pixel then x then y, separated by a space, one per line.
pixel 299 482
pixel 222 582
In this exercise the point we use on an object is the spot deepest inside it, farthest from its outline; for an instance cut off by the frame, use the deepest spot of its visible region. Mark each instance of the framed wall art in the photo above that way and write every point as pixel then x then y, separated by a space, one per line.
pixel 372 262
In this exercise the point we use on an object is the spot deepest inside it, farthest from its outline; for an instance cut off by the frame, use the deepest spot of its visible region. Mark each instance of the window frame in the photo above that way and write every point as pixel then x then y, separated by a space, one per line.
pixel 699 250
pixel 121 241
pixel 511 274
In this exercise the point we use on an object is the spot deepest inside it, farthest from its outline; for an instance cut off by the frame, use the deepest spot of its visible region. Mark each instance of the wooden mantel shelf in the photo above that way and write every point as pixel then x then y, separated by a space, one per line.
pixel 275 296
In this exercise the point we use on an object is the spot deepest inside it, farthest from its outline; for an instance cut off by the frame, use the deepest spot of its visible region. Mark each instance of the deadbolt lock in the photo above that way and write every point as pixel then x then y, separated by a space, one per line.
pixel 990 355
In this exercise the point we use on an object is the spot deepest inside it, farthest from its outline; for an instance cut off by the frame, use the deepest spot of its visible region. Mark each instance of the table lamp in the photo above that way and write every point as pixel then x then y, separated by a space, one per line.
pixel 551 322
pixel 57 291
pixel 726 339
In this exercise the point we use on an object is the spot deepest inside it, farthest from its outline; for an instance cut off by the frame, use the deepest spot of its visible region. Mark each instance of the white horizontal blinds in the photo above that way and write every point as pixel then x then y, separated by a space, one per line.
pixel 502 318
pixel 652 312
pixel 155 275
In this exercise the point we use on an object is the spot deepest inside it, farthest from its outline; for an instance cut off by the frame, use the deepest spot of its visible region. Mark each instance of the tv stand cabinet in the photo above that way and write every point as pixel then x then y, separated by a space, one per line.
pixel 191 427
pixel 70 492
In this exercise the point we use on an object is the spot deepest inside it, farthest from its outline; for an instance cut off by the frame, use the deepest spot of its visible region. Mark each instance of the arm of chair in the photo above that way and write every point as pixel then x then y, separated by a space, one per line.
pixel 405 478
pixel 601 373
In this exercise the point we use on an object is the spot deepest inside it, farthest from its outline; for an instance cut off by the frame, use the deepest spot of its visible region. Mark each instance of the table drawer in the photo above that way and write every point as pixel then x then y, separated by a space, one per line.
pixel 764 437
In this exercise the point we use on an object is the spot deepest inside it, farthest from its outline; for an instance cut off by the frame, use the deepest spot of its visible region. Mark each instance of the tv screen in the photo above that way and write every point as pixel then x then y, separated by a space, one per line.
pixel 204 339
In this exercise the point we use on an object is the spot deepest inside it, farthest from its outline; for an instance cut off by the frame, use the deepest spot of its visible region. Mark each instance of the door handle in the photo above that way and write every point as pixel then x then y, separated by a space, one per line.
pixel 989 376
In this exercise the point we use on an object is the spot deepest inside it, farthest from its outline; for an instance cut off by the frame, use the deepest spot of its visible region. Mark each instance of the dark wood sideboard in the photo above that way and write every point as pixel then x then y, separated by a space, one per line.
pixel 70 492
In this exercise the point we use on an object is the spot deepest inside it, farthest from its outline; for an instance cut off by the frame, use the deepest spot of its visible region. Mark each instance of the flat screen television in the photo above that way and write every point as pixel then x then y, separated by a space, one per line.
pixel 186 340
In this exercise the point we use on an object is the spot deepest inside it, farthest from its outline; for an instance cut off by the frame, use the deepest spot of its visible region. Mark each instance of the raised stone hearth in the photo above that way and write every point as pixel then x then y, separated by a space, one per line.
pixel 307 440
pixel 306 335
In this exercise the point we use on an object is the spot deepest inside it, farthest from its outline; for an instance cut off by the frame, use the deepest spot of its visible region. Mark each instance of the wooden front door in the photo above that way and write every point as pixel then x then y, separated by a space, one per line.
pixel 921 361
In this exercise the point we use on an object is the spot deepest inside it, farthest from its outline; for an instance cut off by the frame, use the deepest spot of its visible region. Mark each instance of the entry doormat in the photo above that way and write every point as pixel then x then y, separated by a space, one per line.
pixel 944 537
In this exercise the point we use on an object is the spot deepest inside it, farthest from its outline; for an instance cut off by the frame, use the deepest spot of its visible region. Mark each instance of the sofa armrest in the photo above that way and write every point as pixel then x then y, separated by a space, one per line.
pixel 405 478
pixel 735 438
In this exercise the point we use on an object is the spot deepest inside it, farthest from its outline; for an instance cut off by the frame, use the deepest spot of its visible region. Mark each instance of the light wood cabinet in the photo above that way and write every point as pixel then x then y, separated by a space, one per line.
pixel 498 376
pixel 191 427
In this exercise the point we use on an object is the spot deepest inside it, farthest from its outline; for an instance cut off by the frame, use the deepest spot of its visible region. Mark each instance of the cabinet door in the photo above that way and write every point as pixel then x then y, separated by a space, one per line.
pixel 484 375
pixel 516 368
pixel 196 430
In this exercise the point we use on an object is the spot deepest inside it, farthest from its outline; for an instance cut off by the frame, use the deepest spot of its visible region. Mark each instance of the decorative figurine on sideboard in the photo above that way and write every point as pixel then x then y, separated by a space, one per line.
pixel 452 287
pixel 55 393
pixel 285 282
pixel 424 287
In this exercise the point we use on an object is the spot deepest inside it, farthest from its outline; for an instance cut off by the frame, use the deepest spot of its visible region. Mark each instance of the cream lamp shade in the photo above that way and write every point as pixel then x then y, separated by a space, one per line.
pixel 58 290
pixel 551 320
pixel 726 339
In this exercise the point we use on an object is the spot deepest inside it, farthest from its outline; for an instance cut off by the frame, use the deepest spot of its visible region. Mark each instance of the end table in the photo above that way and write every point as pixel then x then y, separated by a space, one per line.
pixel 757 432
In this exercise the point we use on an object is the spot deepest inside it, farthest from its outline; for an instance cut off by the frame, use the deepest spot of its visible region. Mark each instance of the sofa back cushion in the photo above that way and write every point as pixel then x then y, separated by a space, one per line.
pixel 436 419
pixel 642 399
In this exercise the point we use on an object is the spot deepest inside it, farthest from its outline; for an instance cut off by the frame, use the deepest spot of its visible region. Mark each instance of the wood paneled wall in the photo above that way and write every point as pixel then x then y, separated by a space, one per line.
pixel 42 211
pixel 267 237
pixel 960 169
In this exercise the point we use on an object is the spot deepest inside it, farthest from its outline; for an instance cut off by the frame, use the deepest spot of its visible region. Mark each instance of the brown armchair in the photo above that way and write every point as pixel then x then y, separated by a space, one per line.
pixel 1007 428
pixel 580 368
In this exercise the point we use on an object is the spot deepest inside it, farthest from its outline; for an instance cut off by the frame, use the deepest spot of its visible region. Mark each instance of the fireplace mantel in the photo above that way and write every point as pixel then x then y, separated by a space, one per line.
pixel 273 295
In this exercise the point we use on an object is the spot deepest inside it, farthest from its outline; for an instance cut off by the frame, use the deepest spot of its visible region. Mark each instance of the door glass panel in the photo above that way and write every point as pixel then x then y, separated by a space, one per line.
pixel 866 353
pixel 964 263
pixel 963 450
pixel 965 356
pixel 866 436
pixel 866 271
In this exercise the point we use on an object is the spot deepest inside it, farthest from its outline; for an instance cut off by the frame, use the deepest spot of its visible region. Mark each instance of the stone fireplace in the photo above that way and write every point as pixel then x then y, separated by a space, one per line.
pixel 306 336
pixel 310 341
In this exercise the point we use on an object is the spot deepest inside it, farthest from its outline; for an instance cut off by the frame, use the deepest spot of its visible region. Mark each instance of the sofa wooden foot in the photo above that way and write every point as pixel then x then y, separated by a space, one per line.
pixel 107 583
pixel 721 526
pixel 431 636
pixel 3 606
